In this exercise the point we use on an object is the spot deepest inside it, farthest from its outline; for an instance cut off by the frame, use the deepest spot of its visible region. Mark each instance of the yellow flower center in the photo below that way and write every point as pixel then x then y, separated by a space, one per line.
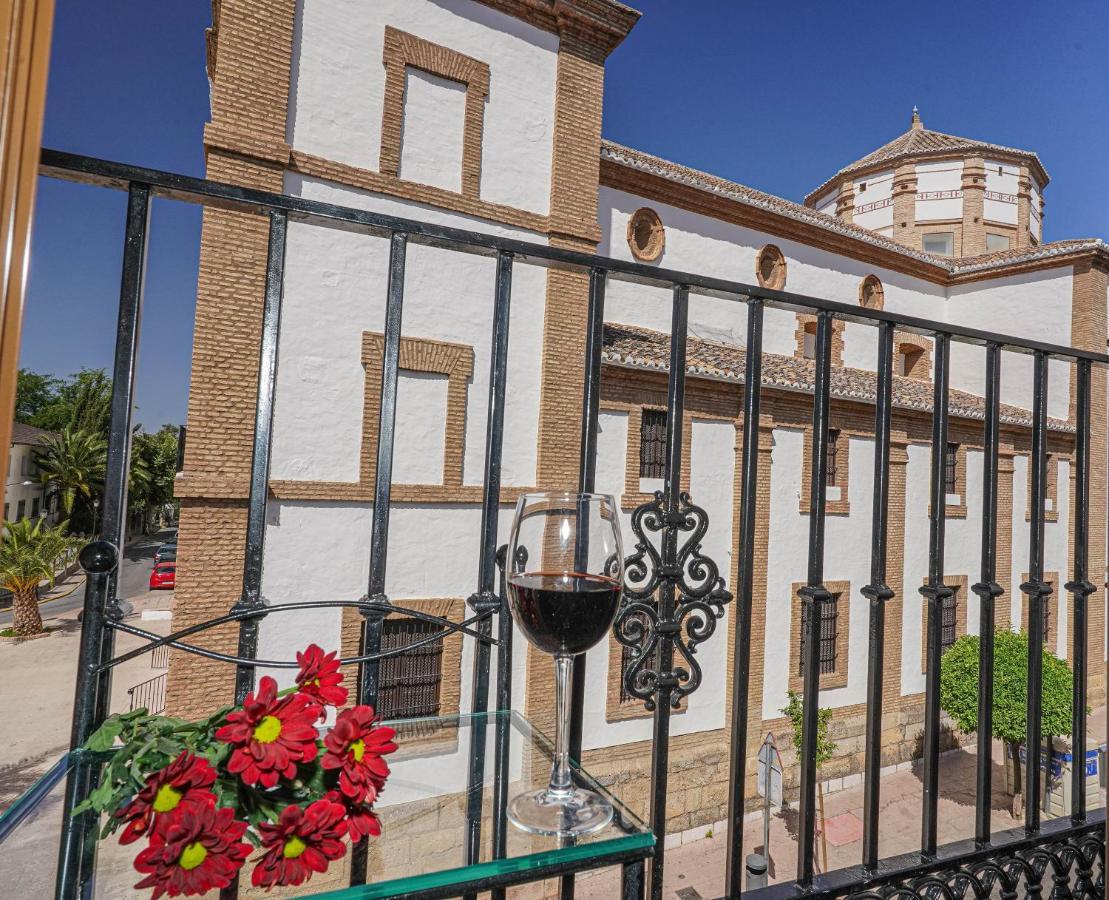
pixel 166 799
pixel 268 730
pixel 358 749
pixel 294 846
pixel 193 856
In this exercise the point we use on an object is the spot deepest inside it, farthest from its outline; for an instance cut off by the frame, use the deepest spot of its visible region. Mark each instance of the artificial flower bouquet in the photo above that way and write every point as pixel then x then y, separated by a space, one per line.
pixel 205 795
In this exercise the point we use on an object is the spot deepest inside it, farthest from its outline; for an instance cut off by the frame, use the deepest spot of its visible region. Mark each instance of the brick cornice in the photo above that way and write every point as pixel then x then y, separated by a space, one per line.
pixel 601 23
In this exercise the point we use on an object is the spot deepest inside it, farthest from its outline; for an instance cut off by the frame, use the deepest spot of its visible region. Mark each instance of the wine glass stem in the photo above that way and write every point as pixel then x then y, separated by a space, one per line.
pixel 561 784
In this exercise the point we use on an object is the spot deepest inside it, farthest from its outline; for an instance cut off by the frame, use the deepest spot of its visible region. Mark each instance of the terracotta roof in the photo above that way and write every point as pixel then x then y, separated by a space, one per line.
pixel 679 174
pixel 921 142
pixel 29 434
pixel 641 348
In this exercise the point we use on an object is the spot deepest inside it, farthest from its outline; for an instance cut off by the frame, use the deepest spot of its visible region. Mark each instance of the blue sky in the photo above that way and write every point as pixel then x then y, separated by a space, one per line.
pixel 776 96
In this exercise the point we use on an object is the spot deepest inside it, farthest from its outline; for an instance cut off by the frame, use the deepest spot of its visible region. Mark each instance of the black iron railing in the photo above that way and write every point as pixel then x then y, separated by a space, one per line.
pixel 149 695
pixel 690 595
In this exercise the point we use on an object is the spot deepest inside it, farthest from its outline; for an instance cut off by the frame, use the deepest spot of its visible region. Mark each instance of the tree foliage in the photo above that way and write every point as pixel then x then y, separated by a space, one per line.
pixel 82 401
pixel 74 462
pixel 33 394
pixel 825 747
pixel 29 553
pixel 959 687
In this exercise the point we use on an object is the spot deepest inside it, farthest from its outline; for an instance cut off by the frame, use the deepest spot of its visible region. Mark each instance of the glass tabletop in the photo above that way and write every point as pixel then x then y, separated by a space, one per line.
pixel 425 813
pixel 425 810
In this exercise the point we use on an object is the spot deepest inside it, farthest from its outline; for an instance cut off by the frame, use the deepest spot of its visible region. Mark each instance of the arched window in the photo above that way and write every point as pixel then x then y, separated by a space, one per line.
pixel 770 268
pixel 646 237
pixel 871 293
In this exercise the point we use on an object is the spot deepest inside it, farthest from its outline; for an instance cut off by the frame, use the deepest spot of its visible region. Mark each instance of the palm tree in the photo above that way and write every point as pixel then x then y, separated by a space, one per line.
pixel 29 554
pixel 73 461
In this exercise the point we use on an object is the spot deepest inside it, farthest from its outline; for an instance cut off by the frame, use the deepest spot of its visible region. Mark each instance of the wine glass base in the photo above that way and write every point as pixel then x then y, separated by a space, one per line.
pixel 574 812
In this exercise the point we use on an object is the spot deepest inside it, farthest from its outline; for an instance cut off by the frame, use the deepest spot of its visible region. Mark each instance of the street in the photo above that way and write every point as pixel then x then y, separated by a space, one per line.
pixel 138 560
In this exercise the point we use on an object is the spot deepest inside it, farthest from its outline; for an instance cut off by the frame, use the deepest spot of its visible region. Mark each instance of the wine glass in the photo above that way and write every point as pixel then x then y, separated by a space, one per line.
pixel 566 576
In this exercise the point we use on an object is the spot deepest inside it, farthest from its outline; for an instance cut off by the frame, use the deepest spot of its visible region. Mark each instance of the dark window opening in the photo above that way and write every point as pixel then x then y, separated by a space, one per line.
pixel 409 683
pixel 948 607
pixel 652 444
pixel 950 469
pixel 829 626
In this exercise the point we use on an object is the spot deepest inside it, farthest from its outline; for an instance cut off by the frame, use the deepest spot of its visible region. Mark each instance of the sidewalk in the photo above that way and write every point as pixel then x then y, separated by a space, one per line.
pixel 699 864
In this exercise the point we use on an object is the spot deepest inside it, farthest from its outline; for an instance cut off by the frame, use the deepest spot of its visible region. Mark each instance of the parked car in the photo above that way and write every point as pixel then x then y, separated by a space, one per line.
pixel 163 576
pixel 166 552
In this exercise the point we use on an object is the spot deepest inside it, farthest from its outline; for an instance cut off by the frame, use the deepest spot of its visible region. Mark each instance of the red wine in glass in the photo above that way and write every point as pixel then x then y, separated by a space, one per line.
pixel 565 584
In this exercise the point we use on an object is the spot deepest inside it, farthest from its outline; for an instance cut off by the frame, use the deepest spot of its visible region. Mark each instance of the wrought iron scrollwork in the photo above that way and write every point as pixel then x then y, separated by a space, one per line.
pixel 699 592
pixel 1068 869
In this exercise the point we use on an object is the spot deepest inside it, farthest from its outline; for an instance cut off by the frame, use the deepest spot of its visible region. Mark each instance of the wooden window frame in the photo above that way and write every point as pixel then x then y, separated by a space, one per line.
pixel 961 585
pixel 828 680
pixel 403 51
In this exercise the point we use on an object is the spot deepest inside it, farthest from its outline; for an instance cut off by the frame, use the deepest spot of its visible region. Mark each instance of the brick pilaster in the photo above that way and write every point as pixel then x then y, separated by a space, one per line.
pixel 1024 208
pixel 904 205
pixel 974 201
pixel 845 202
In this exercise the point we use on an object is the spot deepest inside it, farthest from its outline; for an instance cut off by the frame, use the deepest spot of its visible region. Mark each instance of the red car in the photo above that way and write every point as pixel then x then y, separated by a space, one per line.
pixel 163 576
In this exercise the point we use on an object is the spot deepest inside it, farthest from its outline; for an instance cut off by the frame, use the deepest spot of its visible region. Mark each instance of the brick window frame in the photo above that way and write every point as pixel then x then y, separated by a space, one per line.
pixel 770 268
pixel 632 495
pixel 1051 607
pixel 1052 492
pixel 961 585
pixel 450 687
pixel 807 324
pixel 957 510
pixel 903 343
pixel 618 706
pixel 837 678
pixel 872 295
pixel 403 51
pixel 832 507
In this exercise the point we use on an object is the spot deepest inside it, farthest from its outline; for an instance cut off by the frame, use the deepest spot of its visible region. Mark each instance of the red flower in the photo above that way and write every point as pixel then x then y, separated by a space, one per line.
pixel 270 735
pixel 355 746
pixel 319 677
pixel 198 850
pixel 301 842
pixel 362 821
pixel 182 782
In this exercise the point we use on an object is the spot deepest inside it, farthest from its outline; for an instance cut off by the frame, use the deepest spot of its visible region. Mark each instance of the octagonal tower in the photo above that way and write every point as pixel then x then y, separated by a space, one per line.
pixel 940 193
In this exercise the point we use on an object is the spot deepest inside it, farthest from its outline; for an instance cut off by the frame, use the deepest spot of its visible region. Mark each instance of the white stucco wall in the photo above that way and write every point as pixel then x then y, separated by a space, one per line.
pixel 434 120
pixel 1035 219
pixel 945 175
pixel 1007 181
pixel 338 82
pixel 1035 305
pixel 879 190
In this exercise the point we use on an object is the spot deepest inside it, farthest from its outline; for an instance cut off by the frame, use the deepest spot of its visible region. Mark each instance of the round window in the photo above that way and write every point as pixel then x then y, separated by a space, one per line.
pixel 646 237
pixel 770 268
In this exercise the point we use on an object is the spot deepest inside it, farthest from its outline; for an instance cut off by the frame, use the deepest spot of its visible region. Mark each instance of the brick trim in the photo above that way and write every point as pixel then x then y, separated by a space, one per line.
pixel 842 506
pixel 807 324
pixel 1052 487
pixel 961 585
pixel 872 294
pixel 771 269
pixel 456 361
pixel 1052 605
pixel 403 51
pixel 632 495
pixel 652 248
pixel 828 680
pixel 922 371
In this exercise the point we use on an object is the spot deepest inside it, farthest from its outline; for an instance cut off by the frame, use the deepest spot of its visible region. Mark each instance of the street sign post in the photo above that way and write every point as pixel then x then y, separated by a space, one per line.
pixel 769 786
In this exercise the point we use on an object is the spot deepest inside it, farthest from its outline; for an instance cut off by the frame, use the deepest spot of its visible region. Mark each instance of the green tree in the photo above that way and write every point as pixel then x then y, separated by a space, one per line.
pixel 153 470
pixel 74 462
pixel 959 690
pixel 29 554
pixel 825 747
pixel 33 394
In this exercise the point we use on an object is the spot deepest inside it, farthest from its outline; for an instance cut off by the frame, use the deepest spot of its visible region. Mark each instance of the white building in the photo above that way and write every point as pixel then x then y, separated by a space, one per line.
pixel 486 115
pixel 25 496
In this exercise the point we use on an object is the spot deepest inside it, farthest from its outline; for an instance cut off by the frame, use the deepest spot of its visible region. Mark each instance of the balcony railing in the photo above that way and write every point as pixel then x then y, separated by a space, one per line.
pixel 1067 854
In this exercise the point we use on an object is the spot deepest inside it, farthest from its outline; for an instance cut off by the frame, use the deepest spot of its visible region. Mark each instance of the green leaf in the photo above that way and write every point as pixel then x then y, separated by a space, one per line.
pixel 104 737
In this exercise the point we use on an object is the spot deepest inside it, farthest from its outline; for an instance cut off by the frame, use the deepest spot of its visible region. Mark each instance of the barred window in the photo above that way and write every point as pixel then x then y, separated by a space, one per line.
pixel 833 457
pixel 947 621
pixel 409 683
pixel 950 470
pixel 652 444
pixel 1047 620
pixel 829 625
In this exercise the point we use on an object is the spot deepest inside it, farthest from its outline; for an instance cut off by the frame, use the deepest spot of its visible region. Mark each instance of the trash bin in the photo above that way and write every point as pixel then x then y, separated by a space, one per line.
pixel 1056 800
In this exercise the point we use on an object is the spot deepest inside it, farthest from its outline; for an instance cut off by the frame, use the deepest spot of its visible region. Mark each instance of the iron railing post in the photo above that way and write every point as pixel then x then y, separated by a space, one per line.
pixel 485 600
pixel 1036 589
pixel 935 593
pixel 1080 588
pixel 988 590
pixel 813 597
pixel 877 593
pixel 735 864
